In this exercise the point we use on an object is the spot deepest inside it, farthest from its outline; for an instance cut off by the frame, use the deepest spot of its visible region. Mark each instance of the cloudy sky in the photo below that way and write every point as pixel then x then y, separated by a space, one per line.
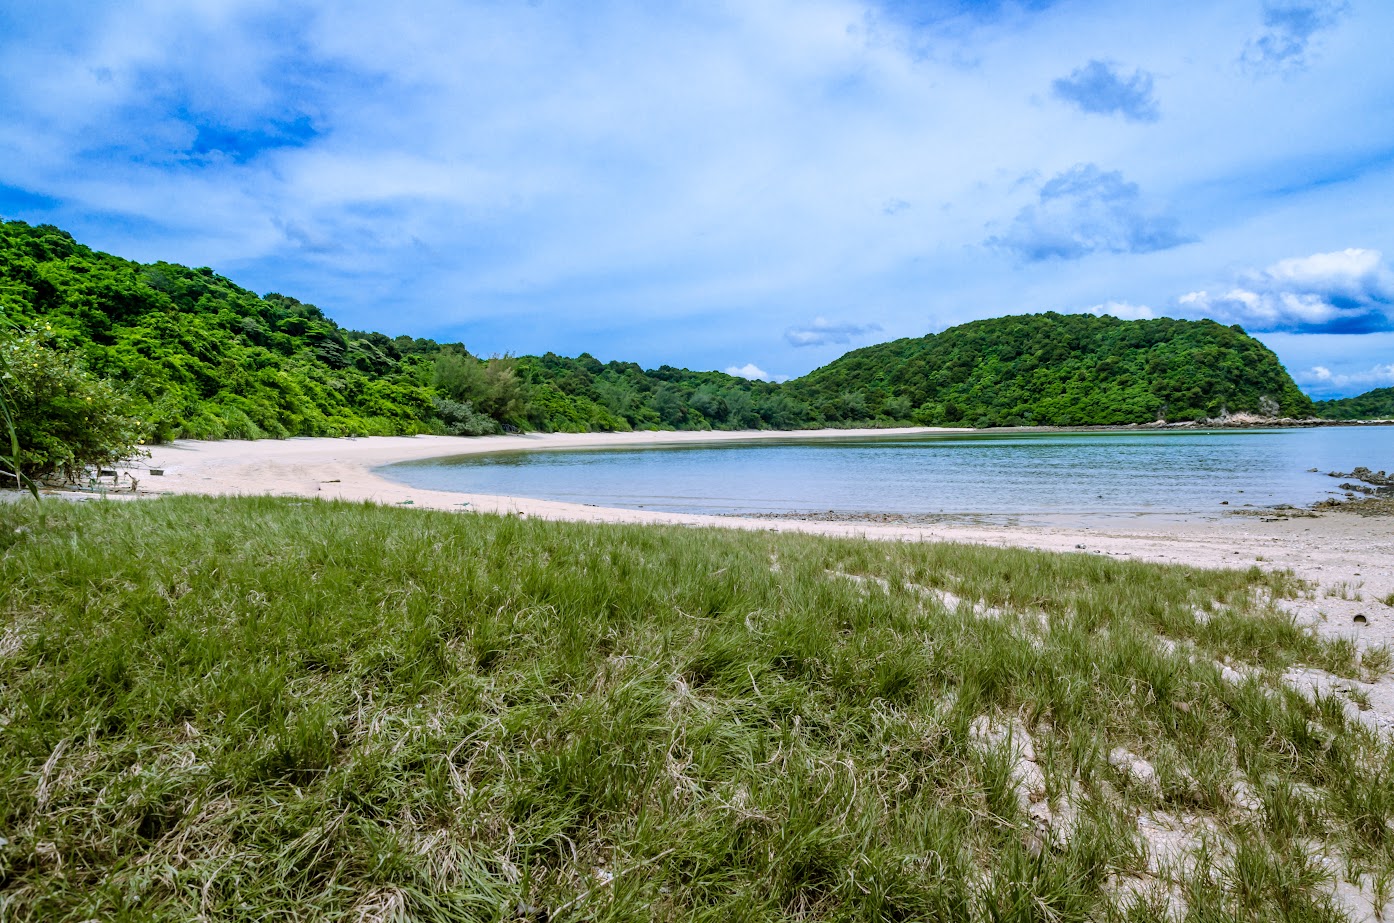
pixel 756 185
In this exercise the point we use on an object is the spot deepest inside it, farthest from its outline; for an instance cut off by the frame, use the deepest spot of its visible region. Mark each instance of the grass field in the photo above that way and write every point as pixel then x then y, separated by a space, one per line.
pixel 270 709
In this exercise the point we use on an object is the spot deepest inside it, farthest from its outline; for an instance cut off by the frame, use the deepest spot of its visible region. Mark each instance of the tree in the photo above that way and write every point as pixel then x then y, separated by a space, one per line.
pixel 10 465
pixel 459 377
pixel 506 396
pixel 61 419
pixel 709 403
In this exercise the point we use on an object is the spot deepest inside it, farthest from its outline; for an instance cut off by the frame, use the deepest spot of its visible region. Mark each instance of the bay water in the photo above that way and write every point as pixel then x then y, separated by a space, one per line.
pixel 1129 473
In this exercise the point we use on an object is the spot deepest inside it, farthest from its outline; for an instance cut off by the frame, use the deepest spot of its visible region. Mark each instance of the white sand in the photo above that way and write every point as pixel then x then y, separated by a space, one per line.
pixel 1342 553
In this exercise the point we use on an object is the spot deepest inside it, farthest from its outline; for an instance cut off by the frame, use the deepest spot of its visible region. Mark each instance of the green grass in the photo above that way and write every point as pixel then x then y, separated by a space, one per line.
pixel 268 709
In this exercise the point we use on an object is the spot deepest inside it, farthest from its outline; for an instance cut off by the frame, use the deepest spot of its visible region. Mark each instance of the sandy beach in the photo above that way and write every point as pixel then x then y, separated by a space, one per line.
pixel 1345 555
pixel 1347 558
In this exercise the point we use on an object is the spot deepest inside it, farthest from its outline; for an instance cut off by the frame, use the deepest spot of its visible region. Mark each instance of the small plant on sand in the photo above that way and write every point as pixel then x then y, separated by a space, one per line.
pixel 1376 661
pixel 1343 589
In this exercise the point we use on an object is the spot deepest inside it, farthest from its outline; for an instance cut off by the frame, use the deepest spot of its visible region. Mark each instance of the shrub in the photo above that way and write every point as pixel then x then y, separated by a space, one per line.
pixel 65 420
pixel 459 418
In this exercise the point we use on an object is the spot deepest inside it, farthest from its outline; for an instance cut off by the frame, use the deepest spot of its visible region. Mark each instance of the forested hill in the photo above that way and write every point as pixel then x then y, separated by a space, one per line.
pixel 1060 370
pixel 201 357
pixel 1372 405
pixel 198 356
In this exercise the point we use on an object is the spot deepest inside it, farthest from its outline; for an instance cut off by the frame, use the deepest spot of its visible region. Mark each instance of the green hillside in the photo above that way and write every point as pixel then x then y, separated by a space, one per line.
pixel 1059 370
pixel 202 357
pixel 1372 405
pixel 195 355
pixel 199 356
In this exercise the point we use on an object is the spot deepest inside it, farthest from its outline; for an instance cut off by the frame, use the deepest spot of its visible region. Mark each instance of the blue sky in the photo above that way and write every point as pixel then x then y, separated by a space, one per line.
pixel 756 185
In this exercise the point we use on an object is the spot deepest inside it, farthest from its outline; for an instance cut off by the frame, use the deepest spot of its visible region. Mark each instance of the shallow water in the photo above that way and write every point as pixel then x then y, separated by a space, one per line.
pixel 1184 473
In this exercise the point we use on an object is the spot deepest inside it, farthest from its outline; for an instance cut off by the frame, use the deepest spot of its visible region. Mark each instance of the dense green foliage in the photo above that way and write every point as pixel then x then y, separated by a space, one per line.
pixel 270 709
pixel 1372 405
pixel 64 420
pixel 1058 370
pixel 201 357
pixel 576 395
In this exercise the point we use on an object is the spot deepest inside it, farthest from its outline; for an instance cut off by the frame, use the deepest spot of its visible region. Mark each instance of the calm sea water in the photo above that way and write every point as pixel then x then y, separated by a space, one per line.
pixel 1167 473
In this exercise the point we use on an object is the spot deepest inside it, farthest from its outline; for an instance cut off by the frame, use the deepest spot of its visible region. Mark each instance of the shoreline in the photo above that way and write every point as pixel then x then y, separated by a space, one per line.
pixel 1342 553
pixel 1347 559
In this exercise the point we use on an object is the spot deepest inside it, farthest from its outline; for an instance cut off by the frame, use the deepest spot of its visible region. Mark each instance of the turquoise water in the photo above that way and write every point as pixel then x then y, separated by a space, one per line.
pixel 1169 472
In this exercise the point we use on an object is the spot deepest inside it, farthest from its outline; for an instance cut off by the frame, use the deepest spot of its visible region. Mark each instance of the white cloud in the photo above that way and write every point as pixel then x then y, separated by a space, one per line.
pixel 823 332
pixel 1289 26
pixel 1087 210
pixel 1100 87
pixel 1123 310
pixel 1322 377
pixel 1347 291
pixel 754 373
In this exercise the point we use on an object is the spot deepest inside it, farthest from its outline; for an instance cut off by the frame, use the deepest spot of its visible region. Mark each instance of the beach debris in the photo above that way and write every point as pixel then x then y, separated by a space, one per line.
pixel 157 472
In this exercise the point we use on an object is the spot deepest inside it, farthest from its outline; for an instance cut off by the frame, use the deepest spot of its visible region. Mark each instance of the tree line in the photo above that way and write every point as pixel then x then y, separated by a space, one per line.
pixel 168 351
pixel 1372 405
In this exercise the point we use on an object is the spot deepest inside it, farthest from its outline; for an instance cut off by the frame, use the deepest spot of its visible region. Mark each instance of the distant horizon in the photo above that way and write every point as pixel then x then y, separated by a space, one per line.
pixel 754 188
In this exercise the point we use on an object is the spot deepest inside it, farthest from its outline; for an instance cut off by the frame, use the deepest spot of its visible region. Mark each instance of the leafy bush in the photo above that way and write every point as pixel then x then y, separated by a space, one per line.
pixel 65 420
pixel 459 418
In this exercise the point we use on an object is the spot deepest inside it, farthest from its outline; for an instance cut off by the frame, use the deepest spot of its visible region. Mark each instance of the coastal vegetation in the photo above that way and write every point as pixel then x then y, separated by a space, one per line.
pixel 1372 405
pixel 266 708
pixel 1060 370
pixel 189 353
pixel 193 355
pixel 58 419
